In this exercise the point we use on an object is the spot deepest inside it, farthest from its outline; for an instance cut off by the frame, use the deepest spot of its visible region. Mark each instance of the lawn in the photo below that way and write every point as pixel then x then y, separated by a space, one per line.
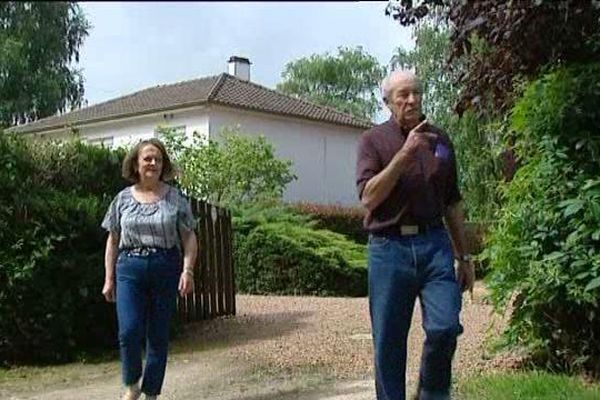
pixel 527 386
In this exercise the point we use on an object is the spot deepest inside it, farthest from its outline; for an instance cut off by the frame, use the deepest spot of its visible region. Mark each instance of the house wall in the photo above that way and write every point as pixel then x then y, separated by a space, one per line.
pixel 128 131
pixel 323 155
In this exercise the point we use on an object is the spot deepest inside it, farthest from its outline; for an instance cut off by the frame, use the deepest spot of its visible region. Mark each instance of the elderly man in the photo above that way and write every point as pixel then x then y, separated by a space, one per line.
pixel 406 178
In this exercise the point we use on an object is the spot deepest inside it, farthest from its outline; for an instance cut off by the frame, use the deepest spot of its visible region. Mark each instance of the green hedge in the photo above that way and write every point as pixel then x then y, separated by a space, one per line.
pixel 279 251
pixel 76 167
pixel 544 250
pixel 345 220
pixel 349 222
pixel 52 255
pixel 50 301
pixel 282 258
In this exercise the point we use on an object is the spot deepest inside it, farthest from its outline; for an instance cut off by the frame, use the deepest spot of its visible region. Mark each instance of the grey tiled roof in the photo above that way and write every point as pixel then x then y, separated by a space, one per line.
pixel 223 89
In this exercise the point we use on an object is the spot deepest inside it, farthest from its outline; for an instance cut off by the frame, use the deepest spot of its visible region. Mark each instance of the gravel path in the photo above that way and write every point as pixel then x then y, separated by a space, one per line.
pixel 276 348
pixel 333 334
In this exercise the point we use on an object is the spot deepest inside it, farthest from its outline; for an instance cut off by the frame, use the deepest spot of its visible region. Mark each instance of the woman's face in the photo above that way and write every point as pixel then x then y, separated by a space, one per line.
pixel 149 163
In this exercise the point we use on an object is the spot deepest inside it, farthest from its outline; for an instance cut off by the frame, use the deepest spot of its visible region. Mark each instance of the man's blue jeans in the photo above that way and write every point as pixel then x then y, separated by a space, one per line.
pixel 400 269
pixel 146 299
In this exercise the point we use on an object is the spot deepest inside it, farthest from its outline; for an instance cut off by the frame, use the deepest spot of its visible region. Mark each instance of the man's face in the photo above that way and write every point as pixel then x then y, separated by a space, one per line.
pixel 405 101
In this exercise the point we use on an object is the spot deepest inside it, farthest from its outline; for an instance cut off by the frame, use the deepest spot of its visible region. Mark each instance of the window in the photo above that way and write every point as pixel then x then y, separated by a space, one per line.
pixel 107 141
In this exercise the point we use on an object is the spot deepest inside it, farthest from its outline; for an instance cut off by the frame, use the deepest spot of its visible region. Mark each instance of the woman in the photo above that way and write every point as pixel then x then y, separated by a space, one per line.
pixel 150 225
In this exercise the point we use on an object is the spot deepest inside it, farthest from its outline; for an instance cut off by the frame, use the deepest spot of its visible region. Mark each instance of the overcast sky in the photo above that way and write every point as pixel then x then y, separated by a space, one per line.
pixel 132 46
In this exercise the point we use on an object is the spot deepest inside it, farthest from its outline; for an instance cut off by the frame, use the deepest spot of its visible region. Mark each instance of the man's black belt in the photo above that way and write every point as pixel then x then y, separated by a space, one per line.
pixel 409 229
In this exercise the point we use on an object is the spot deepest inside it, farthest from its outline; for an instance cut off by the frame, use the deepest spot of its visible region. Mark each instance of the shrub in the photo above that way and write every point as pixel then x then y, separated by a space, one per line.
pixel 345 220
pixel 76 167
pixel 287 258
pixel 51 259
pixel 234 169
pixel 545 249
pixel 479 162
pixel 349 222
pixel 278 250
pixel 52 274
pixel 249 216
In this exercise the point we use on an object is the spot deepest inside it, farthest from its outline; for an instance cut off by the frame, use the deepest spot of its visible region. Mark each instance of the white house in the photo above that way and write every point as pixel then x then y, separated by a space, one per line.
pixel 320 141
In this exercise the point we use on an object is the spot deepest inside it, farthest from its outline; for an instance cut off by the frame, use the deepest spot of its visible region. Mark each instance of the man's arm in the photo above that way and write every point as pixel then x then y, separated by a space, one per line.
pixel 455 221
pixel 379 187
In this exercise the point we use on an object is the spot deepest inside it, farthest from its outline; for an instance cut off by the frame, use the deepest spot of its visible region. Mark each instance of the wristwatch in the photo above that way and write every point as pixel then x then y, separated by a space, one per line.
pixel 463 257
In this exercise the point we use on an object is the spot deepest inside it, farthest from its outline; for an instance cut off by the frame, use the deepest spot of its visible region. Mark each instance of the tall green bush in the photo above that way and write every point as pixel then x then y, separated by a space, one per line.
pixel 478 154
pixel 51 258
pixel 51 270
pixel 545 247
pixel 74 166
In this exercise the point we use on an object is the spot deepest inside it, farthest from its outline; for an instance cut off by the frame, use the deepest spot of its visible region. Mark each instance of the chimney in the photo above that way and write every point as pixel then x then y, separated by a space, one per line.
pixel 239 67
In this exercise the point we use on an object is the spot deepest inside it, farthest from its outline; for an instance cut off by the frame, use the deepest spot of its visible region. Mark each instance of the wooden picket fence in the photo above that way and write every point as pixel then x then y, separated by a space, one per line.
pixel 214 283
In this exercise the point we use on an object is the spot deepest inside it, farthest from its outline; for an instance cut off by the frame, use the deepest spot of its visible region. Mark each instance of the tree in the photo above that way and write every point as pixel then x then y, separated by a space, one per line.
pixel 38 43
pixel 428 59
pixel 517 39
pixel 239 169
pixel 347 82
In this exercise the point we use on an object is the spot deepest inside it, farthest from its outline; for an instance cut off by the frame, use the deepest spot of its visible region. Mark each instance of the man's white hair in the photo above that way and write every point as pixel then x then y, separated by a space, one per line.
pixel 389 81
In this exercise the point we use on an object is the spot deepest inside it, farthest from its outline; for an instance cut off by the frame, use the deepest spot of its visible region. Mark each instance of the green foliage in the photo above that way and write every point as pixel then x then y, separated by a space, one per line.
pixel 545 247
pixel 521 386
pixel 52 249
pixel 76 166
pixel 347 81
pixel 279 251
pixel 231 170
pixel 523 37
pixel 283 258
pixel 246 217
pixel 38 42
pixel 428 59
pixel 51 269
pixel 478 146
pixel 345 220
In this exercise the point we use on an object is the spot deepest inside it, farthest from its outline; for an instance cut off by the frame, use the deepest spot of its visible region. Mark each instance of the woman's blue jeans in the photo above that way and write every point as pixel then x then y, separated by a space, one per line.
pixel 400 269
pixel 146 299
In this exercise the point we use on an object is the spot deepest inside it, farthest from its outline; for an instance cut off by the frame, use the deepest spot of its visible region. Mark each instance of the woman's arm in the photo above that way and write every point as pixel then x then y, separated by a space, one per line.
pixel 110 259
pixel 190 252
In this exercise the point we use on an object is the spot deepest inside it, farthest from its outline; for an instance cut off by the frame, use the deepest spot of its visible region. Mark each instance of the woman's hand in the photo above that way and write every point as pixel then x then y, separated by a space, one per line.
pixel 108 291
pixel 186 283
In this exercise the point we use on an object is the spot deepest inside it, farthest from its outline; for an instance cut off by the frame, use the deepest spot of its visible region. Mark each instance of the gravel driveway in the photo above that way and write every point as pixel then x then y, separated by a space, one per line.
pixel 304 348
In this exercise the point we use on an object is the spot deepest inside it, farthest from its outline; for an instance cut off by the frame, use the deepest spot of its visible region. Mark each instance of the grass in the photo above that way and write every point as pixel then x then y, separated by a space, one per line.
pixel 527 386
pixel 38 379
